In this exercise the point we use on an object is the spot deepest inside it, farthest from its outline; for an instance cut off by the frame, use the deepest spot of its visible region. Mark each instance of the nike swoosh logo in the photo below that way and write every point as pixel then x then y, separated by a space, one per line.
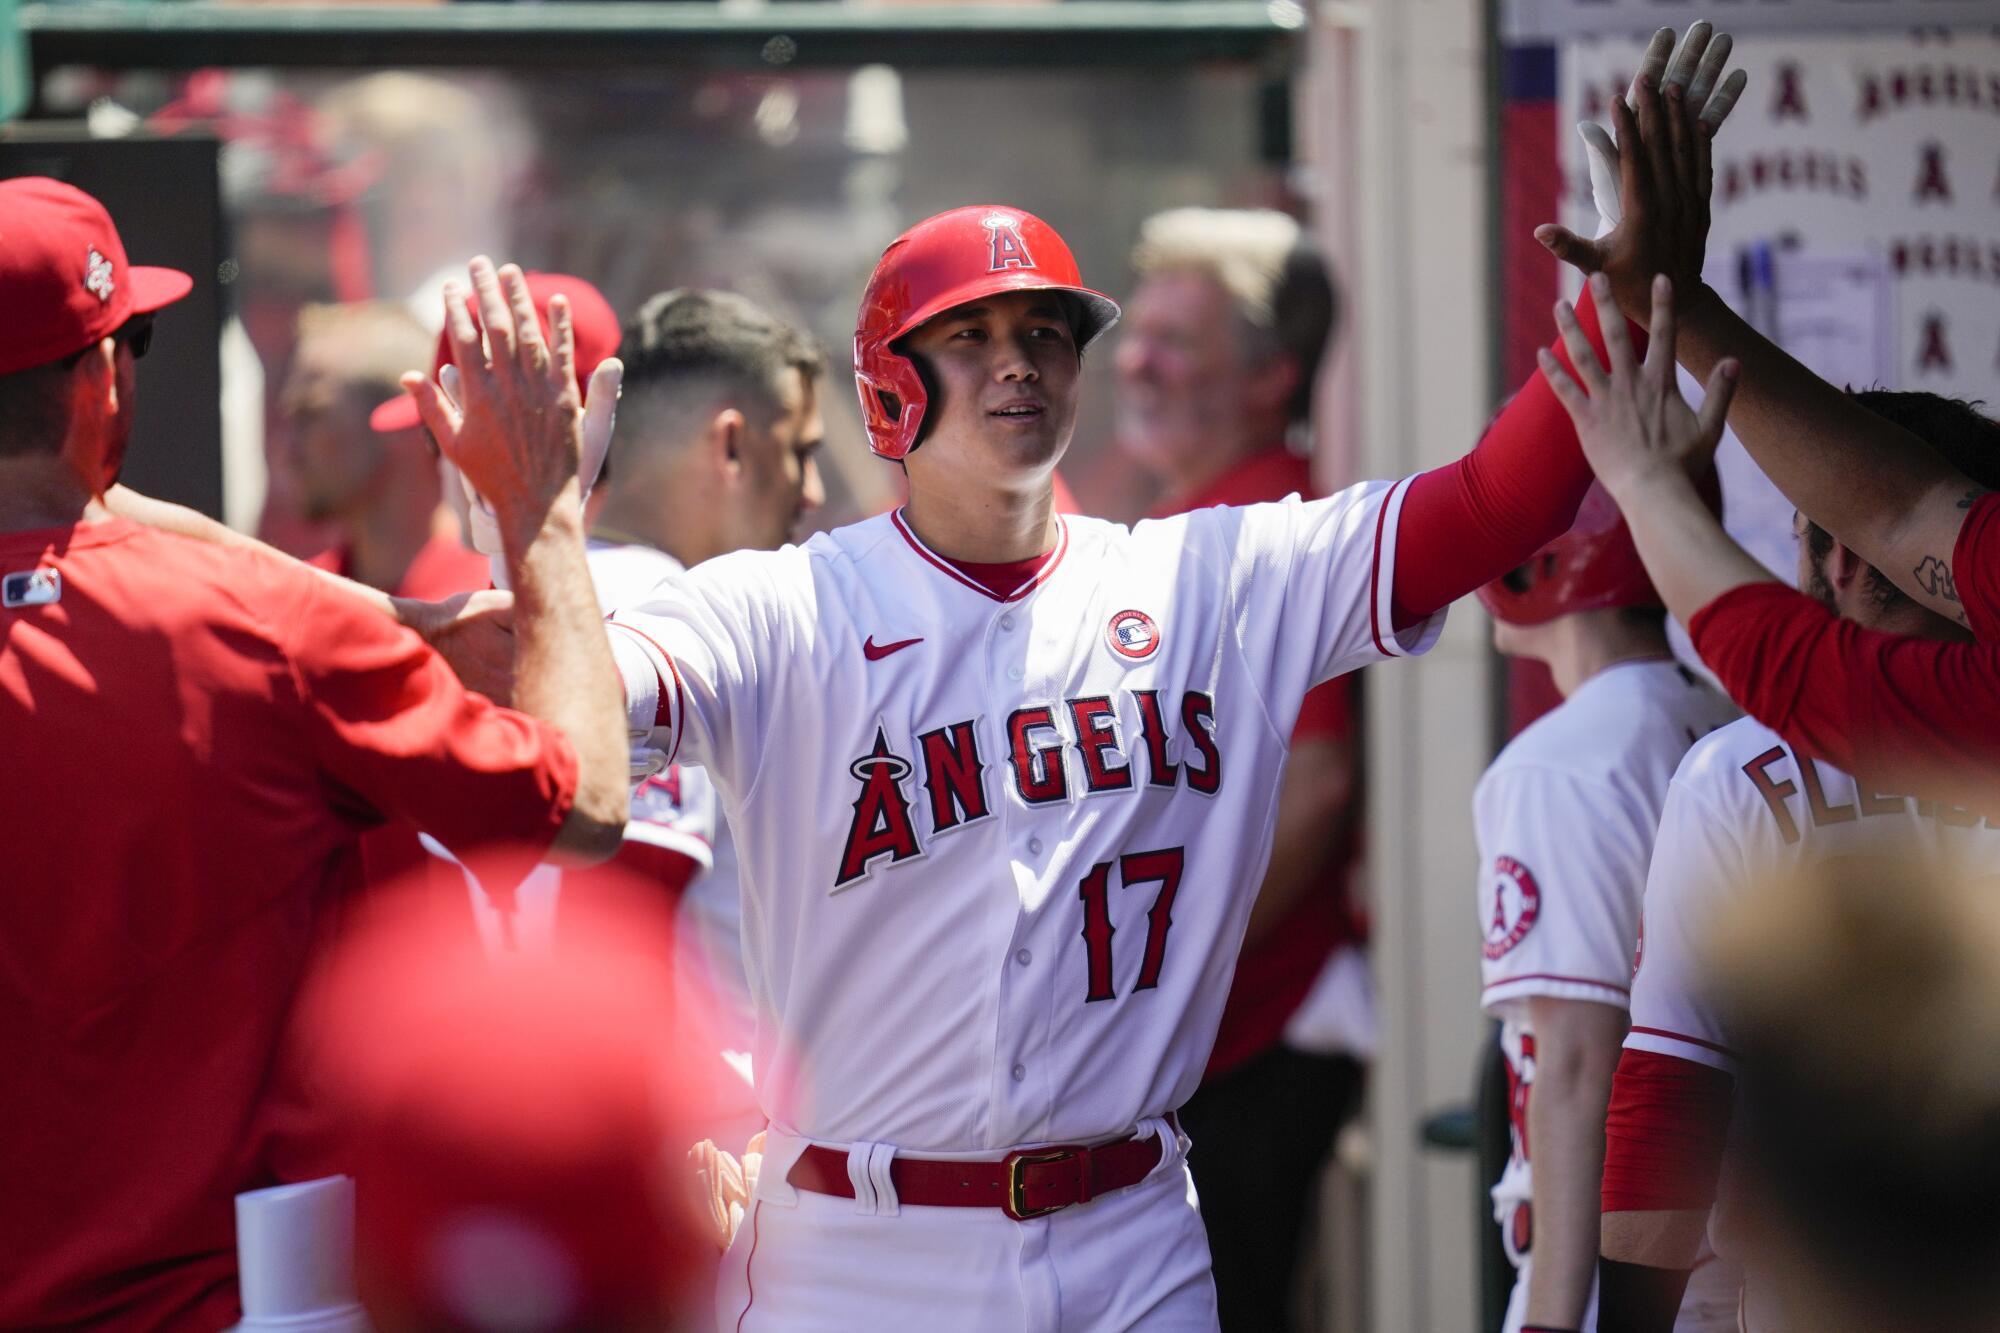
pixel 875 652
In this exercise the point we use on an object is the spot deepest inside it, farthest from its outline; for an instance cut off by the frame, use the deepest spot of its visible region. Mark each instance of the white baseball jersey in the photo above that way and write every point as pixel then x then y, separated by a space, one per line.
pixel 1745 805
pixel 998 851
pixel 1566 818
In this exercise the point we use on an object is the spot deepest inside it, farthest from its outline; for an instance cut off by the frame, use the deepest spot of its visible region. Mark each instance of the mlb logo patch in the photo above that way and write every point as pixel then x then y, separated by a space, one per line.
pixel 1132 634
pixel 31 587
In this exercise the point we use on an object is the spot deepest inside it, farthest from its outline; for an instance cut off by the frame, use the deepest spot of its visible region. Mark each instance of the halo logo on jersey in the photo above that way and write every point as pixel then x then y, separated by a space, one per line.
pixel 1133 634
pixel 1009 250
pixel 1516 903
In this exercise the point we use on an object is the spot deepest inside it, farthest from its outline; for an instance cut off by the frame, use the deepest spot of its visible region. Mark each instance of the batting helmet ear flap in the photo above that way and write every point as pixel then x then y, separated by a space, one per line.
pixel 942 262
pixel 927 379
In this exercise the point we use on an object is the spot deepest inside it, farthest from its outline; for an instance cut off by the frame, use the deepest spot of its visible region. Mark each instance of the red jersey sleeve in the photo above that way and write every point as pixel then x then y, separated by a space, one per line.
pixel 394 728
pixel 1917 713
pixel 1975 566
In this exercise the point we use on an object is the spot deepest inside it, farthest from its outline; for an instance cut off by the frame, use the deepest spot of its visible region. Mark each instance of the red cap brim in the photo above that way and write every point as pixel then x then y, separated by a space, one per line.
pixel 399 413
pixel 153 288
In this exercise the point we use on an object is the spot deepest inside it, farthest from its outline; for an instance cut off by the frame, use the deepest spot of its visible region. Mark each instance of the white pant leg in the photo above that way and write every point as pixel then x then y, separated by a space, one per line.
pixel 1133 1260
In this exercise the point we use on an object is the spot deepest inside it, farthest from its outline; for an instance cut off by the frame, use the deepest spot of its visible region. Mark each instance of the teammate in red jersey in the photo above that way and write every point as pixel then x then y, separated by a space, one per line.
pixel 1922 715
pixel 194 734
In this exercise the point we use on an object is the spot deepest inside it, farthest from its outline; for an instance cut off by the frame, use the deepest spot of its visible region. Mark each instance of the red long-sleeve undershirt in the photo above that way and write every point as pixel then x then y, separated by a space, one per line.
pixel 1664 1132
pixel 1917 714
pixel 1467 523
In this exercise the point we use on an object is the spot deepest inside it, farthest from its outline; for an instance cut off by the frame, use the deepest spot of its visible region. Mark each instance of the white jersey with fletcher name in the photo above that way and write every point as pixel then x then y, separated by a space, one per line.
pixel 1566 818
pixel 1746 805
pixel 998 852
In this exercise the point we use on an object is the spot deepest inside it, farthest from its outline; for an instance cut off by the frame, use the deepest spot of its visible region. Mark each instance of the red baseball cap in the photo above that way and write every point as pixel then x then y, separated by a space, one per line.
pixel 64 279
pixel 590 315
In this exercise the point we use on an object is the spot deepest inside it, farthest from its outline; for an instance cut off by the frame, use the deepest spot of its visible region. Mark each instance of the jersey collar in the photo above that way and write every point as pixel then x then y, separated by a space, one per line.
pixel 944 566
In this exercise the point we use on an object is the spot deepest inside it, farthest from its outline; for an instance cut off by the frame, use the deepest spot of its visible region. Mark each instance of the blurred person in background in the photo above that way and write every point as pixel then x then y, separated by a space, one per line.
pixel 1863 1001
pixel 1222 341
pixel 157 926
pixel 376 489
pixel 1745 806
pixel 516 1123
pixel 1566 817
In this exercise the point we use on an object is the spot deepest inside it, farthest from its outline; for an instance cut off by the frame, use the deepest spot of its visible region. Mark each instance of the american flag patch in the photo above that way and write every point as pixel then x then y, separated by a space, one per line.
pixel 31 587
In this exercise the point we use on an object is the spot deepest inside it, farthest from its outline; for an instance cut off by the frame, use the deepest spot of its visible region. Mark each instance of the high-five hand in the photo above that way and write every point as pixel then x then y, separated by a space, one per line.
pixel 1695 63
pixel 1631 419
pixel 1664 180
pixel 516 429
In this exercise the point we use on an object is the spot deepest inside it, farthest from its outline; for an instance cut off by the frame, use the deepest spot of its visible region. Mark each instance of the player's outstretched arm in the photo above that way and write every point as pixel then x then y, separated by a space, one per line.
pixel 1878 489
pixel 516 434
pixel 471 631
pixel 1576 1054
pixel 1474 520
pixel 1644 441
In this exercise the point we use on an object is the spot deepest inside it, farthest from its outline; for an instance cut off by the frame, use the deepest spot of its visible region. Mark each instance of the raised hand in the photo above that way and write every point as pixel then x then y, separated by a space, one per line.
pixel 1696 63
pixel 516 428
pixel 1658 221
pixel 1634 425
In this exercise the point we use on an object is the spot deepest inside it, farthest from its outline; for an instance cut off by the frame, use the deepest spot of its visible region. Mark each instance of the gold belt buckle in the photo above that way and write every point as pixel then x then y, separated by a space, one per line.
pixel 1015 1204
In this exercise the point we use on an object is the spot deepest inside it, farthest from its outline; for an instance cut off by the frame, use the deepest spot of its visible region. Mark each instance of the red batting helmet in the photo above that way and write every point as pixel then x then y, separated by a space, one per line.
pixel 943 262
pixel 1592 567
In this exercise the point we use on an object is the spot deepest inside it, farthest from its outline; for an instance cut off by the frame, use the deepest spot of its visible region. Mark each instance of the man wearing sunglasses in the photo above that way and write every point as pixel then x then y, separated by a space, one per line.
pixel 191 737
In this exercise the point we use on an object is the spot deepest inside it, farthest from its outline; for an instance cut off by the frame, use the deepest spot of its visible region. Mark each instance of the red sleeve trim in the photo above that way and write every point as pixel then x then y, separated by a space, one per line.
pixel 1664 1133
pixel 1552 976
pixel 671 716
pixel 1715 1046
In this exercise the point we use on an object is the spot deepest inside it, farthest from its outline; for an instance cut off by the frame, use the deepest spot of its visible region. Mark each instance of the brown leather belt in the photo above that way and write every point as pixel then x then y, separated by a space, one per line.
pixel 1029 1182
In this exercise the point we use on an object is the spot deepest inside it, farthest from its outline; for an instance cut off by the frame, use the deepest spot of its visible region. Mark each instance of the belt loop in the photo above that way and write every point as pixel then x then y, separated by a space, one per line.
pixel 880 1155
pixel 1173 1147
pixel 859 1156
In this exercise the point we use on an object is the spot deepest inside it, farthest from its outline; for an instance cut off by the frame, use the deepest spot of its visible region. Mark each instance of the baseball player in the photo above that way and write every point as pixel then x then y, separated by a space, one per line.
pixel 159 909
pixel 718 434
pixel 1566 817
pixel 1922 715
pixel 1744 808
pixel 1002 784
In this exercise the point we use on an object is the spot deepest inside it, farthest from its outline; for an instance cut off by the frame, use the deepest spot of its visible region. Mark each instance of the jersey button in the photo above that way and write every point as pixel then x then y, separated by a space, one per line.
pixel 1006 622
pixel 1014 673
pixel 1020 1072
pixel 1034 846
pixel 1023 957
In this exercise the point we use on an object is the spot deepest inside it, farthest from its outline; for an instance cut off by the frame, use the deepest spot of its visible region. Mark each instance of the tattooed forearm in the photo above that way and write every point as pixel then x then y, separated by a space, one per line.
pixel 1934 577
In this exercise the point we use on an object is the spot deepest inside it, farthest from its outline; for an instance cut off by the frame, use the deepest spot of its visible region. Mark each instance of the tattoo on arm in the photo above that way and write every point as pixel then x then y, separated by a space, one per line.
pixel 1934 576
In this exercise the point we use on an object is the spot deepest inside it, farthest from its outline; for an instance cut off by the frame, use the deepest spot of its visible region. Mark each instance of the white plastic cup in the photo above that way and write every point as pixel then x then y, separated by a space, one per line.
pixel 295 1258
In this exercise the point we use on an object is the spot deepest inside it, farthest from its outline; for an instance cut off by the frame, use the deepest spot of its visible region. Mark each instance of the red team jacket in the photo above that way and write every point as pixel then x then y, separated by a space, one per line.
pixel 194 737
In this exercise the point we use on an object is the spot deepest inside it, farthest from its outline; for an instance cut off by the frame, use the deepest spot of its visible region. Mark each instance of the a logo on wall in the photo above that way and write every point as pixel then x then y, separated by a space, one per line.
pixel 1931 180
pixel 1935 354
pixel 1789 99
pixel 1517 901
